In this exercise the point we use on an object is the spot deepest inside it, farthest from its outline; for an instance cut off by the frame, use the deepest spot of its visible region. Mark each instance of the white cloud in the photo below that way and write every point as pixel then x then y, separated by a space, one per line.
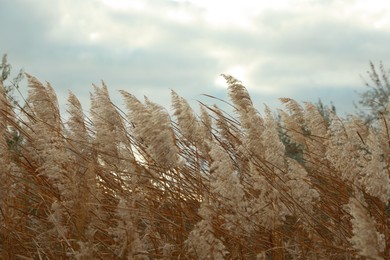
pixel 114 24
pixel 122 5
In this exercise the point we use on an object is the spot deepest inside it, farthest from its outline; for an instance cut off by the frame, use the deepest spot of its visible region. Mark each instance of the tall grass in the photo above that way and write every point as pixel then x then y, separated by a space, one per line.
pixel 138 185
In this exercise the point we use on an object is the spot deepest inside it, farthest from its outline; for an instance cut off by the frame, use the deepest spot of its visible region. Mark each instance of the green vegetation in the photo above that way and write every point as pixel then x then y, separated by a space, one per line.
pixel 9 85
pixel 374 100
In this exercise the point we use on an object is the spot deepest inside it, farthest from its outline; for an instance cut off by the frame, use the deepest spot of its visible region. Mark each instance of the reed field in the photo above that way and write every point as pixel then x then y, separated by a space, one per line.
pixel 168 183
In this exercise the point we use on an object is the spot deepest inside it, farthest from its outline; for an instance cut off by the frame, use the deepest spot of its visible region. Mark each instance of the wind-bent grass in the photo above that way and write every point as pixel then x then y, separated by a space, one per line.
pixel 213 186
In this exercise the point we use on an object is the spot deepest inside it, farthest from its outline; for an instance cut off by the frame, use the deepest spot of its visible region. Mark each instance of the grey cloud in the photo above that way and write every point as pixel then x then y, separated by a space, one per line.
pixel 301 58
pixel 23 26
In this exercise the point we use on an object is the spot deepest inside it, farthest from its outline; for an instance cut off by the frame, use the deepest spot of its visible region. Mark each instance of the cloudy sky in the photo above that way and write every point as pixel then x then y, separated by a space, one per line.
pixel 303 49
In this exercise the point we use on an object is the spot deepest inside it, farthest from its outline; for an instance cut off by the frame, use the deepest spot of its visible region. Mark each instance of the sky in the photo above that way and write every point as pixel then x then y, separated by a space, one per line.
pixel 301 49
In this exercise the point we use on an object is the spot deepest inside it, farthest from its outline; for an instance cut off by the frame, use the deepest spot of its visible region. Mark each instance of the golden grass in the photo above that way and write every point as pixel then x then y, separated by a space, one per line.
pixel 139 186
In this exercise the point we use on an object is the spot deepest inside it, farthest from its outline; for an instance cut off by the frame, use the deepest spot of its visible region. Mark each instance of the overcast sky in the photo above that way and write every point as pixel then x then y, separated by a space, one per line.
pixel 303 49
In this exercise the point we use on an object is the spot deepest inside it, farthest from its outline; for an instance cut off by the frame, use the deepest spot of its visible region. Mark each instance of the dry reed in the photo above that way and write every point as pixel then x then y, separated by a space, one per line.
pixel 215 186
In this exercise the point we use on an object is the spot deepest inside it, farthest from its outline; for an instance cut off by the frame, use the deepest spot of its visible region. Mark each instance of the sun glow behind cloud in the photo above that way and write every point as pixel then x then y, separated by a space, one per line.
pixel 238 71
